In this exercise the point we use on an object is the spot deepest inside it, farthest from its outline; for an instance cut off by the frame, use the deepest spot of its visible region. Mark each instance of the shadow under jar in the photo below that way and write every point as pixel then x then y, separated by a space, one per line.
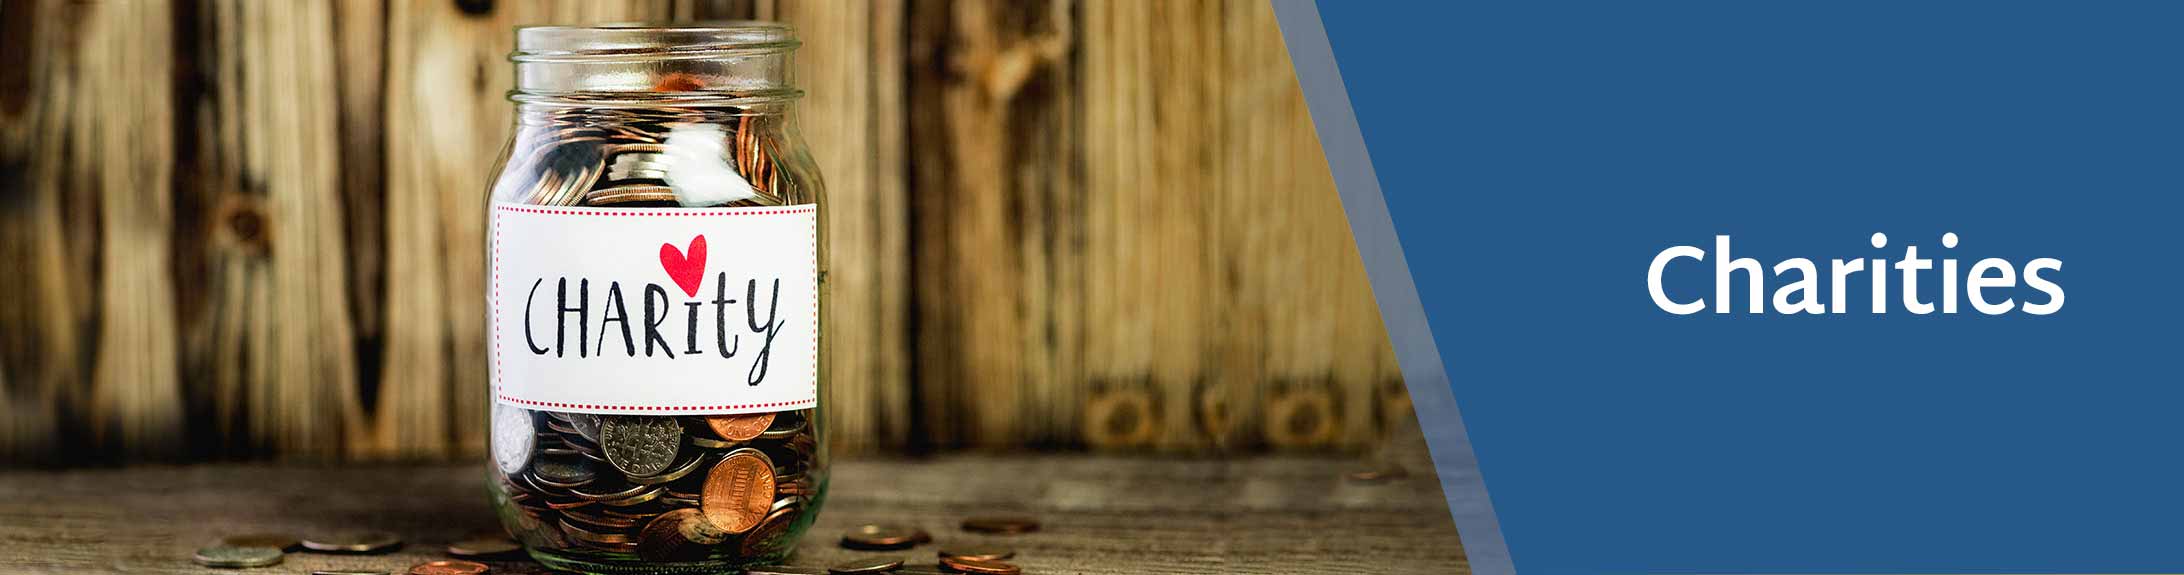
pixel 654 292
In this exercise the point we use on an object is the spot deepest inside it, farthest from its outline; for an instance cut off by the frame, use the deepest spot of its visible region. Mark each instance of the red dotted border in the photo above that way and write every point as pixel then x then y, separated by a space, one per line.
pixel 499 366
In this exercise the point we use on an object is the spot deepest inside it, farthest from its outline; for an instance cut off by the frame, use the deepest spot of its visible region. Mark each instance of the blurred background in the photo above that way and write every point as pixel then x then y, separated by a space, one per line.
pixel 254 229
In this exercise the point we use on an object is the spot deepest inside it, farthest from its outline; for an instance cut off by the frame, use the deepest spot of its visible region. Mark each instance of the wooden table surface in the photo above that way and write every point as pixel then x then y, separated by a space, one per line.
pixel 1099 514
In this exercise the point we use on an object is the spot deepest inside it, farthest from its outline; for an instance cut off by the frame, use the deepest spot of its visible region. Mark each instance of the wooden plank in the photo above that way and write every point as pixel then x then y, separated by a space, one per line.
pixel 1098 514
pixel 993 217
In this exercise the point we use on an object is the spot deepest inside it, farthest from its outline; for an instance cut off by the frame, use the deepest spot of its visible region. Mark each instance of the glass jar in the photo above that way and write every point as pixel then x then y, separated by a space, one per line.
pixel 654 297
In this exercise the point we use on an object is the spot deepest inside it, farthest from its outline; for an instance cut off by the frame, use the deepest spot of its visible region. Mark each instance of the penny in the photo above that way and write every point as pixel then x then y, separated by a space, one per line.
pixel 599 520
pixel 354 542
pixel 513 438
pixel 679 535
pixel 862 566
pixel 483 547
pixel 281 541
pixel 640 445
pixel 979 566
pixel 881 538
pixel 447 567
pixel 740 427
pixel 979 553
pixel 1001 524
pixel 771 535
pixel 580 533
pixel 231 557
pixel 739 491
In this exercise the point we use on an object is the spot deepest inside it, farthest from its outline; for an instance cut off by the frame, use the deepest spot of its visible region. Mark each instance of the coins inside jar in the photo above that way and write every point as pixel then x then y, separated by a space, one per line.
pixel 662 488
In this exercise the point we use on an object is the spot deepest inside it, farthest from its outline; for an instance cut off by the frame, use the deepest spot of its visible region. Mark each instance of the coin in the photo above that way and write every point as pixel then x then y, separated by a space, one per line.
pixel 640 445
pixel 679 535
pixel 1002 524
pixel 862 566
pixel 513 438
pixel 231 557
pixel 710 443
pixel 979 553
pixel 587 425
pixel 771 535
pixel 739 491
pixel 447 567
pixel 678 472
pixel 629 193
pixel 563 472
pixel 979 566
pixel 483 547
pixel 881 538
pixel 354 542
pixel 739 427
pixel 281 541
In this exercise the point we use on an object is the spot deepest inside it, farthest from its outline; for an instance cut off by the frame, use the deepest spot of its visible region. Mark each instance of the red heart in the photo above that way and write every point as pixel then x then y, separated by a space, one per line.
pixel 687 272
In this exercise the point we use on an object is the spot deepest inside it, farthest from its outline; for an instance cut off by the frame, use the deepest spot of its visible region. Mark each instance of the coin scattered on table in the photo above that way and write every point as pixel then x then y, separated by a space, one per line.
pixel 484 546
pixel 1001 524
pixel 448 567
pixel 979 566
pixel 979 553
pixel 281 541
pixel 864 566
pixel 884 538
pixel 354 542
pixel 231 557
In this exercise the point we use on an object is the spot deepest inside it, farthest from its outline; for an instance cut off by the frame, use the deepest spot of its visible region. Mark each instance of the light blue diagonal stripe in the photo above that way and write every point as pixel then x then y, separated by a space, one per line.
pixel 1400 309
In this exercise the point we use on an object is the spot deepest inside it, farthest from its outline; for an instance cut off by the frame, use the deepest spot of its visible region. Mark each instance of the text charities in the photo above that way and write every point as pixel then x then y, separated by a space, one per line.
pixel 1798 282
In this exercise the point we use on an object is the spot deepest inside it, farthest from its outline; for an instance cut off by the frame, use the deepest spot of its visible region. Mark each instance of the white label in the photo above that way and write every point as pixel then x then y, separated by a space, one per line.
pixel 655 311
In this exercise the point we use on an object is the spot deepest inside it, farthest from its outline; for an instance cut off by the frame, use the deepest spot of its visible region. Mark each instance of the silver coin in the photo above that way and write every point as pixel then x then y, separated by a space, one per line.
pixel 513 438
pixel 563 472
pixel 354 542
pixel 231 557
pixel 640 445
pixel 586 425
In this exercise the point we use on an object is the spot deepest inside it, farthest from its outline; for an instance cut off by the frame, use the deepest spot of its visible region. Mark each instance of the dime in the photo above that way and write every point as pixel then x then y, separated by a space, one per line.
pixel 587 425
pixel 640 445
pixel 483 547
pixel 1002 524
pixel 513 438
pixel 740 427
pixel 979 553
pixel 563 472
pixel 739 491
pixel 230 557
pixel 447 567
pixel 639 498
pixel 792 430
pixel 979 566
pixel 881 538
pixel 866 566
pixel 281 541
pixel 616 491
pixel 354 542
pixel 710 443
pixel 679 535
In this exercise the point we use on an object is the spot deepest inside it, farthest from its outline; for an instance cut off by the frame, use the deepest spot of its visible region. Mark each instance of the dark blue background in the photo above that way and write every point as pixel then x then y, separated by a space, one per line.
pixel 1535 157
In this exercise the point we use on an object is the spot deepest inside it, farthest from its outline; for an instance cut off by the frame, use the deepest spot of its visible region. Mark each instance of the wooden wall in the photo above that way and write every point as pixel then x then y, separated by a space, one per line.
pixel 243 229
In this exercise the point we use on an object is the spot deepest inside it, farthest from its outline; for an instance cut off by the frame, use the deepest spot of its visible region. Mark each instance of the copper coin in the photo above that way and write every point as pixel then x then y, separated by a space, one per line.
pixel 447 567
pixel 772 534
pixel 739 491
pixel 281 541
pixel 979 553
pixel 863 566
pixel 1002 524
pixel 354 542
pixel 882 538
pixel 979 566
pixel 739 427
pixel 679 535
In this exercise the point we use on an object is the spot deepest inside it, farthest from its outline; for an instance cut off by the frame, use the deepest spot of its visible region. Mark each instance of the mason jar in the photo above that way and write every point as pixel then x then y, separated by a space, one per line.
pixel 656 265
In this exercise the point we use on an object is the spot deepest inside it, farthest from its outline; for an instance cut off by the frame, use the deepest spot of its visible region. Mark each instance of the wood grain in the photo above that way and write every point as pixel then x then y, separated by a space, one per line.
pixel 251 229
pixel 1098 514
